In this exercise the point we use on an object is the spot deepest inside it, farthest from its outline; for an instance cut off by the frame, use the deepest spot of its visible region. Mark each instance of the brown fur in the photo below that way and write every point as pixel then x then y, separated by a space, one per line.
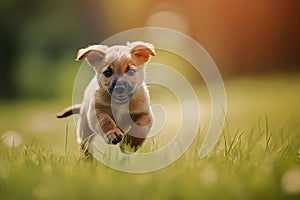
pixel 138 105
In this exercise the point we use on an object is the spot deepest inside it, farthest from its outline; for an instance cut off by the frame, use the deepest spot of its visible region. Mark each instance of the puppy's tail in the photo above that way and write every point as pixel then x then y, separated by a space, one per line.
pixel 74 109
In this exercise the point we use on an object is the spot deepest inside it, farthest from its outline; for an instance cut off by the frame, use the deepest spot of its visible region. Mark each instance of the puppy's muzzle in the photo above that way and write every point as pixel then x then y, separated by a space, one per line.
pixel 120 91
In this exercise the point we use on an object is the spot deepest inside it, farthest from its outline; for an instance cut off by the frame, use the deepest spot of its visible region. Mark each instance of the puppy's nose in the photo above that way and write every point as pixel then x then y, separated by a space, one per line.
pixel 119 89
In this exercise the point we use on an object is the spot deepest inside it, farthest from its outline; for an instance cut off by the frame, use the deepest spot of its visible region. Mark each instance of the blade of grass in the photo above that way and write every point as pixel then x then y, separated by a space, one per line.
pixel 236 137
pixel 268 133
pixel 66 141
pixel 225 145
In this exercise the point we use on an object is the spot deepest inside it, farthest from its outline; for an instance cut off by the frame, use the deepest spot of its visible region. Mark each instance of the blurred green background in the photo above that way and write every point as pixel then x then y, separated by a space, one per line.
pixel 255 44
pixel 39 39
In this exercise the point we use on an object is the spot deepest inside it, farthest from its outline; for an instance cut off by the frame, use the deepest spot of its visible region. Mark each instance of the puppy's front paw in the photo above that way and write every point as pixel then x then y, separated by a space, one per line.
pixel 114 136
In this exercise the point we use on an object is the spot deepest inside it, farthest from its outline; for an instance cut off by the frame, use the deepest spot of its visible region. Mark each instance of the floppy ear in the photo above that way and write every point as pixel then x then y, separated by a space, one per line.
pixel 141 52
pixel 93 54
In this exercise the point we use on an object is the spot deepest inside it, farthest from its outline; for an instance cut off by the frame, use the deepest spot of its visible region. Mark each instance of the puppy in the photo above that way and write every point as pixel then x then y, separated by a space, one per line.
pixel 116 102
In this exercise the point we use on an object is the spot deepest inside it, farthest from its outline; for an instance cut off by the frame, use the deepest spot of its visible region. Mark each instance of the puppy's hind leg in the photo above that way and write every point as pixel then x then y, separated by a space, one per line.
pixel 83 135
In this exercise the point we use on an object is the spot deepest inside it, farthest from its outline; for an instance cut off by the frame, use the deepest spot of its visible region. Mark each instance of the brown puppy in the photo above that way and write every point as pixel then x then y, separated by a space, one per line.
pixel 116 102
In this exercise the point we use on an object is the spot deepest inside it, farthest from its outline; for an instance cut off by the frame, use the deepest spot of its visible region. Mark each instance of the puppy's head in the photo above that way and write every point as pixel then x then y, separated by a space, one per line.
pixel 119 69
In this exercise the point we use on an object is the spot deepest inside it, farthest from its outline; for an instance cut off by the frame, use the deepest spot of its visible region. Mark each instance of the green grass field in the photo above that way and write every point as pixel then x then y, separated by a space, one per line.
pixel 257 156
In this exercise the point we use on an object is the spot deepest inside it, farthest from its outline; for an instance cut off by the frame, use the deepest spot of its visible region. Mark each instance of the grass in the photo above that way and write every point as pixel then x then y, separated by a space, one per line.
pixel 241 167
pixel 253 159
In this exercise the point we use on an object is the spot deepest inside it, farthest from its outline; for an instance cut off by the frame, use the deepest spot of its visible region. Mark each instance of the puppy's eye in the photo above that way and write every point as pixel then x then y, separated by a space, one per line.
pixel 131 72
pixel 107 73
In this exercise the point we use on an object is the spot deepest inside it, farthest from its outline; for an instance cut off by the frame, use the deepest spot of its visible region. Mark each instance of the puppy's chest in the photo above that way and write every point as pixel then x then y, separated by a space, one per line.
pixel 119 113
pixel 122 117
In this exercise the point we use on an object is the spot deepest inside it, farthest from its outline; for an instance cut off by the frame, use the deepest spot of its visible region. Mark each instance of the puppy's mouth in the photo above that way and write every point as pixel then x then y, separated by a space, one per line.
pixel 121 99
pixel 120 91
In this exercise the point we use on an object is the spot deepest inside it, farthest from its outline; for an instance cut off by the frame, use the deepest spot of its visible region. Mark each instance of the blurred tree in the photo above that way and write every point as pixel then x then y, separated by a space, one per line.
pixel 8 42
pixel 35 37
